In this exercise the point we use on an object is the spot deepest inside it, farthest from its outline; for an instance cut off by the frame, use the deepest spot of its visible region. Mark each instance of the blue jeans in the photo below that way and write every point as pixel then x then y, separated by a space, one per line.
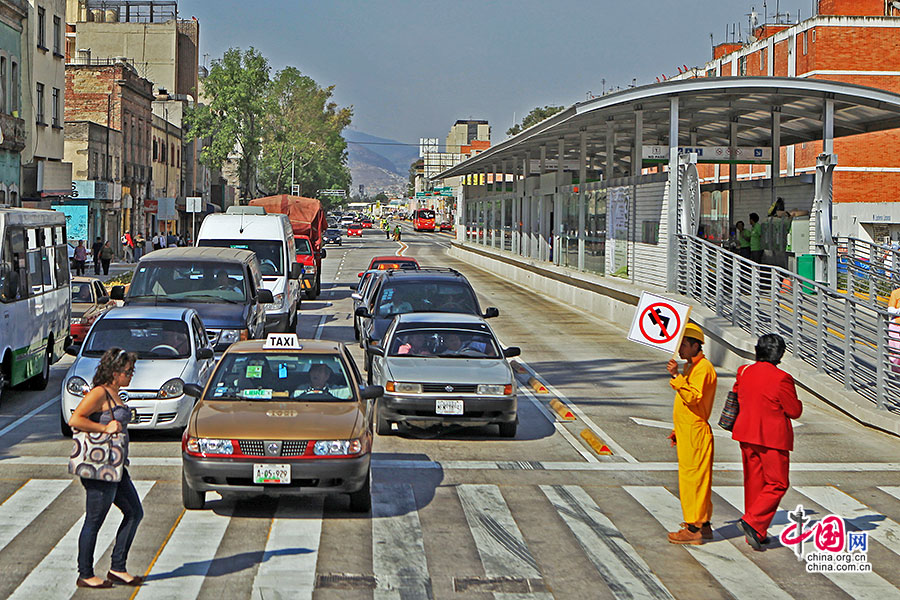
pixel 100 496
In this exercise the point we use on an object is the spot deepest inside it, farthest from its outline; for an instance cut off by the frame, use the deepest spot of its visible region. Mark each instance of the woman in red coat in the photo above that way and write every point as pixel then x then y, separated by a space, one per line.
pixel 768 401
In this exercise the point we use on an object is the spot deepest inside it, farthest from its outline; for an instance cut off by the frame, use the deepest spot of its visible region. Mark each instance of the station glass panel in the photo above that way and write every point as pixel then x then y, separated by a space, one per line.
pixel 595 231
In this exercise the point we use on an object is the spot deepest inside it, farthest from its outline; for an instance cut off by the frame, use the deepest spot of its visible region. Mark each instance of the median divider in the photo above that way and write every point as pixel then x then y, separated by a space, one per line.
pixel 517 367
pixel 562 410
pixel 595 442
pixel 537 386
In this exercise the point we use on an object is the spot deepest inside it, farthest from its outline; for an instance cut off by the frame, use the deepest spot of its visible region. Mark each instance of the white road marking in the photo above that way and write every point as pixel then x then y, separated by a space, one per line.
pixel 28 415
pixel 728 565
pixel 398 550
pixel 288 568
pixel 560 427
pixel 30 500
pixel 54 577
pixel 665 425
pixel 624 571
pixel 320 326
pixel 860 586
pixel 181 567
pixel 882 529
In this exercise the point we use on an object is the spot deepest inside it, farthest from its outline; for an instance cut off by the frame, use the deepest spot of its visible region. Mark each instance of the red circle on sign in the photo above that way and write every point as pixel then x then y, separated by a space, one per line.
pixel 669 336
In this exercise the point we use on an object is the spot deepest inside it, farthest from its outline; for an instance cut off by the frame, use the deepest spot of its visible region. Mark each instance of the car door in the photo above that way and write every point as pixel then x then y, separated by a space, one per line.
pixel 378 370
pixel 369 404
pixel 257 314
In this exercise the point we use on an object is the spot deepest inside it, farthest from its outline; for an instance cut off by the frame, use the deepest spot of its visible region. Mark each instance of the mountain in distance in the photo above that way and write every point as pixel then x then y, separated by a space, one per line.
pixel 380 164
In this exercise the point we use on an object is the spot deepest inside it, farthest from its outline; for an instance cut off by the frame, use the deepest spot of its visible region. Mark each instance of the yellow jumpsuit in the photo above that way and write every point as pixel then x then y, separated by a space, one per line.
pixel 695 391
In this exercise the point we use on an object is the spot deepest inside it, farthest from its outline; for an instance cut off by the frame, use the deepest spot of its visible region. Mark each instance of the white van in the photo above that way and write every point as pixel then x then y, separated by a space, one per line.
pixel 271 237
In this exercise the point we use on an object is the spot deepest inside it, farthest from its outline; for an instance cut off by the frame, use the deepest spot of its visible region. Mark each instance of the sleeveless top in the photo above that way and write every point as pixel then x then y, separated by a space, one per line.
pixel 120 413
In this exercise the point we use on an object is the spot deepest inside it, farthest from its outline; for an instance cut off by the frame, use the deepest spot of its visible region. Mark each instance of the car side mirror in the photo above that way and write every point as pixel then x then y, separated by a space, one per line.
pixel 117 292
pixel 356 296
pixel 205 353
pixel 491 312
pixel 193 390
pixel 296 270
pixel 73 349
pixel 265 296
pixel 512 351
pixel 371 392
pixel 373 349
pixel 103 300
pixel 362 311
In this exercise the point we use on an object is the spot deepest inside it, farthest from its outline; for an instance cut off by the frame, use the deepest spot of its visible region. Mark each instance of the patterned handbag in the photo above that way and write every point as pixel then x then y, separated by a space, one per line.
pixel 98 455
pixel 729 412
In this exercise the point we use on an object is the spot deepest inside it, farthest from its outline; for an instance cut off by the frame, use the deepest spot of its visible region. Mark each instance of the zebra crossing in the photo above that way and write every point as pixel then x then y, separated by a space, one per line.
pixel 493 529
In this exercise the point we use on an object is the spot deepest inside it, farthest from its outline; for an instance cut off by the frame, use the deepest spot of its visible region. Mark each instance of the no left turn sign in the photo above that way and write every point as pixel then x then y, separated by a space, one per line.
pixel 658 322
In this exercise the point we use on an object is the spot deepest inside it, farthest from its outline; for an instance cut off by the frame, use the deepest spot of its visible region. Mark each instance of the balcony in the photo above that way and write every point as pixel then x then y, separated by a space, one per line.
pixel 13 133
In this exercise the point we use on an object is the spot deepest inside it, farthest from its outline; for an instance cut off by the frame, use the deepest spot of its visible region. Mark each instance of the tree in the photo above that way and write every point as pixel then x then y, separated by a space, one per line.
pixel 233 121
pixel 417 166
pixel 381 197
pixel 533 118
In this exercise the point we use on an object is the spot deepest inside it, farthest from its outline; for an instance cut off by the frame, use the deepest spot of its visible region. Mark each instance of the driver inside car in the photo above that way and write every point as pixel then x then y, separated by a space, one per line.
pixel 224 282
pixel 453 343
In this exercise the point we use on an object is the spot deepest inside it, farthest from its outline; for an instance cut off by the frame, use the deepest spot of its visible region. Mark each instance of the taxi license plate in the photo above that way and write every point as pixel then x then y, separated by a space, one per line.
pixel 448 407
pixel 271 474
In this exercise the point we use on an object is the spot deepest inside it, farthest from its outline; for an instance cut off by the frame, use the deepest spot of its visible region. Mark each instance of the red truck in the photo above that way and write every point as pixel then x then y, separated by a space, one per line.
pixel 308 220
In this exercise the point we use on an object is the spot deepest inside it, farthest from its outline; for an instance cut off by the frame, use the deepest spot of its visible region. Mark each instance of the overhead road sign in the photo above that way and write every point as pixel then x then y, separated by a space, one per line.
pixel 659 322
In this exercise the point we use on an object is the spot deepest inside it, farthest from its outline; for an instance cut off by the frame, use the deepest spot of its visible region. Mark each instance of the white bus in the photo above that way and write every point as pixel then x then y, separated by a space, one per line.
pixel 34 295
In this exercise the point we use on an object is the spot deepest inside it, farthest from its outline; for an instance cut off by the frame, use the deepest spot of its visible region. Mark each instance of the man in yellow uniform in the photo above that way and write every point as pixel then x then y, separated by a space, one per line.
pixel 695 390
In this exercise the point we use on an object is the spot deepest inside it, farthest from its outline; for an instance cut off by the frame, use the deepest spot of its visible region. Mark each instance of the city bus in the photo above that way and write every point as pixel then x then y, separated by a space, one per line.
pixel 34 295
pixel 423 219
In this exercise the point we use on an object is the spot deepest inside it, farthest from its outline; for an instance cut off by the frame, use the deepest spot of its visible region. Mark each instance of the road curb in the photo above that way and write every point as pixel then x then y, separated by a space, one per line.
pixel 562 410
pixel 595 442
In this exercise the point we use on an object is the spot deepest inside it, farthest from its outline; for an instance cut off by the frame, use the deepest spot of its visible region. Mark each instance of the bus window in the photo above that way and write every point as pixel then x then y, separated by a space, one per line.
pixel 62 265
pixel 35 277
pixel 16 238
pixel 47 254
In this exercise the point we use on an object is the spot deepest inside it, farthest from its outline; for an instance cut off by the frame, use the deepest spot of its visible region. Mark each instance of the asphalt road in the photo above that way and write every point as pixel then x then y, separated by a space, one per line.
pixel 465 514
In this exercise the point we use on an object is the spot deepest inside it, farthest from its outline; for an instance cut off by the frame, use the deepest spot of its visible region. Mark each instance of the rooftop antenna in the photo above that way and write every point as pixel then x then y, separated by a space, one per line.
pixel 603 86
pixel 765 13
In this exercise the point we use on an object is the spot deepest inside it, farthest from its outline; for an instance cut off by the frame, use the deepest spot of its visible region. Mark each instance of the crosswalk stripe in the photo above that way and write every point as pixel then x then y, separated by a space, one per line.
pixel 893 490
pixel 54 577
pixel 288 567
pixel 187 557
pixel 860 586
pixel 737 573
pixel 25 504
pixel 499 542
pixel 626 573
pixel 398 548
pixel 886 531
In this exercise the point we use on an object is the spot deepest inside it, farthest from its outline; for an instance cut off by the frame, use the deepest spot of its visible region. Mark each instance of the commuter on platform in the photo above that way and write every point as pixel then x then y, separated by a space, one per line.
pixel 756 251
pixel 894 331
pixel 768 401
pixel 695 390
pixel 79 258
pixel 106 255
pixel 743 239
pixel 95 254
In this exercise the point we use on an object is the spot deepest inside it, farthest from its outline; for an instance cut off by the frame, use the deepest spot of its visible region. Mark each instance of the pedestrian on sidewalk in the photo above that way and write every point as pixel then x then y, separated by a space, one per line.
pixel 95 254
pixel 106 255
pixel 101 411
pixel 768 401
pixel 139 245
pixel 397 233
pixel 79 258
pixel 127 247
pixel 695 391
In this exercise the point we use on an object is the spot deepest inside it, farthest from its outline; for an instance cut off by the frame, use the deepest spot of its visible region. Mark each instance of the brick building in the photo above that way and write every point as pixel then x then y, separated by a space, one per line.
pixel 853 41
pixel 114 95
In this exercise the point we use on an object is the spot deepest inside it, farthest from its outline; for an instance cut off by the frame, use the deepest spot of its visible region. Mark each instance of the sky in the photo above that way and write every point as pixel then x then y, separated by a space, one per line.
pixel 410 69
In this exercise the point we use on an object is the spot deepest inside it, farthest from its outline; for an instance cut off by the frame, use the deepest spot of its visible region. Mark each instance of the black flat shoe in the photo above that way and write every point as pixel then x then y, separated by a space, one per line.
pixel 135 580
pixel 84 584
pixel 751 535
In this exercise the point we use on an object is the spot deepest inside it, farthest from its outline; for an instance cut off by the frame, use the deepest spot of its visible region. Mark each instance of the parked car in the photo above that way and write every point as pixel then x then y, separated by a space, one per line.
pixel 172 347
pixel 281 416
pixel 443 368
pixel 354 229
pixel 89 300
pixel 332 236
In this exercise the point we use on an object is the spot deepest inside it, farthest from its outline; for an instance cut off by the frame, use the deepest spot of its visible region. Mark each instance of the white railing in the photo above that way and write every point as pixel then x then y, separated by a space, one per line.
pixel 843 336
pixel 867 271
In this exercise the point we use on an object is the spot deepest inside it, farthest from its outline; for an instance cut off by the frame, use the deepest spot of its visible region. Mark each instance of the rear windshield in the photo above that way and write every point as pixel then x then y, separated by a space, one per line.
pixel 383 265
pixel 425 214
pixel 149 338
pixel 268 252
pixel 333 232
pixel 273 377
pixel 444 343
pixel 168 281
pixel 429 296
pixel 303 247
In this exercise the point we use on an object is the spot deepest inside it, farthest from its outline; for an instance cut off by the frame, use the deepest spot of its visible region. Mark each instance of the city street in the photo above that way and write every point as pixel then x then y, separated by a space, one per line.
pixel 463 513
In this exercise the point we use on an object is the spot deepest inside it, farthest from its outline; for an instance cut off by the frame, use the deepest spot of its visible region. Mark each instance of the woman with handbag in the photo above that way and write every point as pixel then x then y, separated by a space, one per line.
pixel 101 418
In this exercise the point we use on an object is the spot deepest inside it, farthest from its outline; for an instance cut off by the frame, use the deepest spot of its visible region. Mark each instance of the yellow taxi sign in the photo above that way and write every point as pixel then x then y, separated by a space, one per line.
pixel 282 341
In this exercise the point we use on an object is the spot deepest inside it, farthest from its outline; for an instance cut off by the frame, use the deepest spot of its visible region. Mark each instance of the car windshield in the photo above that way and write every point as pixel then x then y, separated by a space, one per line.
pixel 148 338
pixel 194 281
pixel 276 377
pixel 426 296
pixel 444 343
pixel 334 232
pixel 303 247
pixel 268 252
pixel 425 214
pixel 81 292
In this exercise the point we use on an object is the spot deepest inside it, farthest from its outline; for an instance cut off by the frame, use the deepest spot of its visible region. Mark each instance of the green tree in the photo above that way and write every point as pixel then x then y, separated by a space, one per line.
pixel 233 121
pixel 381 197
pixel 533 118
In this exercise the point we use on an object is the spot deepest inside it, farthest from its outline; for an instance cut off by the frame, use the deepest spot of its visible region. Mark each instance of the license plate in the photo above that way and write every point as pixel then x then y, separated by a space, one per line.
pixel 448 407
pixel 271 473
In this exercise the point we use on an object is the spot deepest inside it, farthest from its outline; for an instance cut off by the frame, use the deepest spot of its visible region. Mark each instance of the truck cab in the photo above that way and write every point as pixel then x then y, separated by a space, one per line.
pixel 311 258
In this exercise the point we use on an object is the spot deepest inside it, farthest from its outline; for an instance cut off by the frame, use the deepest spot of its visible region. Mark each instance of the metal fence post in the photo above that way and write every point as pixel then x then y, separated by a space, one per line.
pixel 720 282
pixel 848 344
pixel 820 332
pixel 754 294
pixel 735 287
pixel 881 354
pixel 795 330
pixel 773 302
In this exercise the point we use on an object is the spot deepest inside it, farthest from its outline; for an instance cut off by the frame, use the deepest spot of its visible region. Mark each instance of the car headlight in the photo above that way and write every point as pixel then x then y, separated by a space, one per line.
pixel 77 386
pixel 230 336
pixel 171 388
pixel 337 447
pixel 209 446
pixel 278 302
pixel 403 388
pixel 494 390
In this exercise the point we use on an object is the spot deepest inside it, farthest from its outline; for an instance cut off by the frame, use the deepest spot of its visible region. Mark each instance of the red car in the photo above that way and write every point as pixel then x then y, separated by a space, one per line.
pixel 392 262
pixel 354 229
pixel 367 223
pixel 446 226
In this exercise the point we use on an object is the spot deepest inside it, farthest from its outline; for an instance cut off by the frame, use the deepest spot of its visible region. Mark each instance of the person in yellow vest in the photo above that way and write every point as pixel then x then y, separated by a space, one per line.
pixel 695 390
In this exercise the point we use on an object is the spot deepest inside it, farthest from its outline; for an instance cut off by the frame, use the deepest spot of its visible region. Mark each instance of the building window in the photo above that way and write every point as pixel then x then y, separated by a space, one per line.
pixel 57 36
pixel 172 150
pixel 742 65
pixel 14 88
pixel 804 43
pixel 3 86
pixel 55 107
pixel 41 28
pixel 39 109
pixel 155 150
pixel 762 60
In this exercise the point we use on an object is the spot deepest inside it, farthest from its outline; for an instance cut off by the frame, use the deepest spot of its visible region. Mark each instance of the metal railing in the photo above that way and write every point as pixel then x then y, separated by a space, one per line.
pixel 842 336
pixel 867 271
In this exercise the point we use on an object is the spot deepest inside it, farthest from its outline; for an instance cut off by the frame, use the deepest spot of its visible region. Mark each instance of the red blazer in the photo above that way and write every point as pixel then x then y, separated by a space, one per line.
pixel 768 401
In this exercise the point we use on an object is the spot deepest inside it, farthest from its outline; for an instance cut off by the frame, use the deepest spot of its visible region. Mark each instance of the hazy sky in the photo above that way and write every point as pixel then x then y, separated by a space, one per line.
pixel 411 68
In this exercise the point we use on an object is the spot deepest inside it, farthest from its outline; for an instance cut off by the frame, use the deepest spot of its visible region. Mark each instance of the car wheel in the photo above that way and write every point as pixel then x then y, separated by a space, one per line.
pixel 361 500
pixel 382 425
pixel 40 381
pixel 192 499
pixel 508 430
pixel 64 426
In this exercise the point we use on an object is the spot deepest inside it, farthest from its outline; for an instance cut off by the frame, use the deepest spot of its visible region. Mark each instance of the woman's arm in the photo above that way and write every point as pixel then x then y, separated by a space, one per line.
pixel 787 392
pixel 92 402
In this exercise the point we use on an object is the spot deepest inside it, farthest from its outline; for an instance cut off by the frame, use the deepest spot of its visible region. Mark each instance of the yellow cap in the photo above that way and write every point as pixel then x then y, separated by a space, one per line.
pixel 692 330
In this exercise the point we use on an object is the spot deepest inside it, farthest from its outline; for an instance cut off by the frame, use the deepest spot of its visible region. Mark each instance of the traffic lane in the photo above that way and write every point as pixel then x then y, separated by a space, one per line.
pixel 616 382
pixel 32 416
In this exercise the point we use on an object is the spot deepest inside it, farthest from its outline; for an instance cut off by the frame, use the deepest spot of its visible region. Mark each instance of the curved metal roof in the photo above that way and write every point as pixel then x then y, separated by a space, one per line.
pixel 707 107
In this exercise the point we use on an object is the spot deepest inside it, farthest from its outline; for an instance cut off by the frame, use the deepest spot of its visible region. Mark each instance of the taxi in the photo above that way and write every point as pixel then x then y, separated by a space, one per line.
pixel 280 416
